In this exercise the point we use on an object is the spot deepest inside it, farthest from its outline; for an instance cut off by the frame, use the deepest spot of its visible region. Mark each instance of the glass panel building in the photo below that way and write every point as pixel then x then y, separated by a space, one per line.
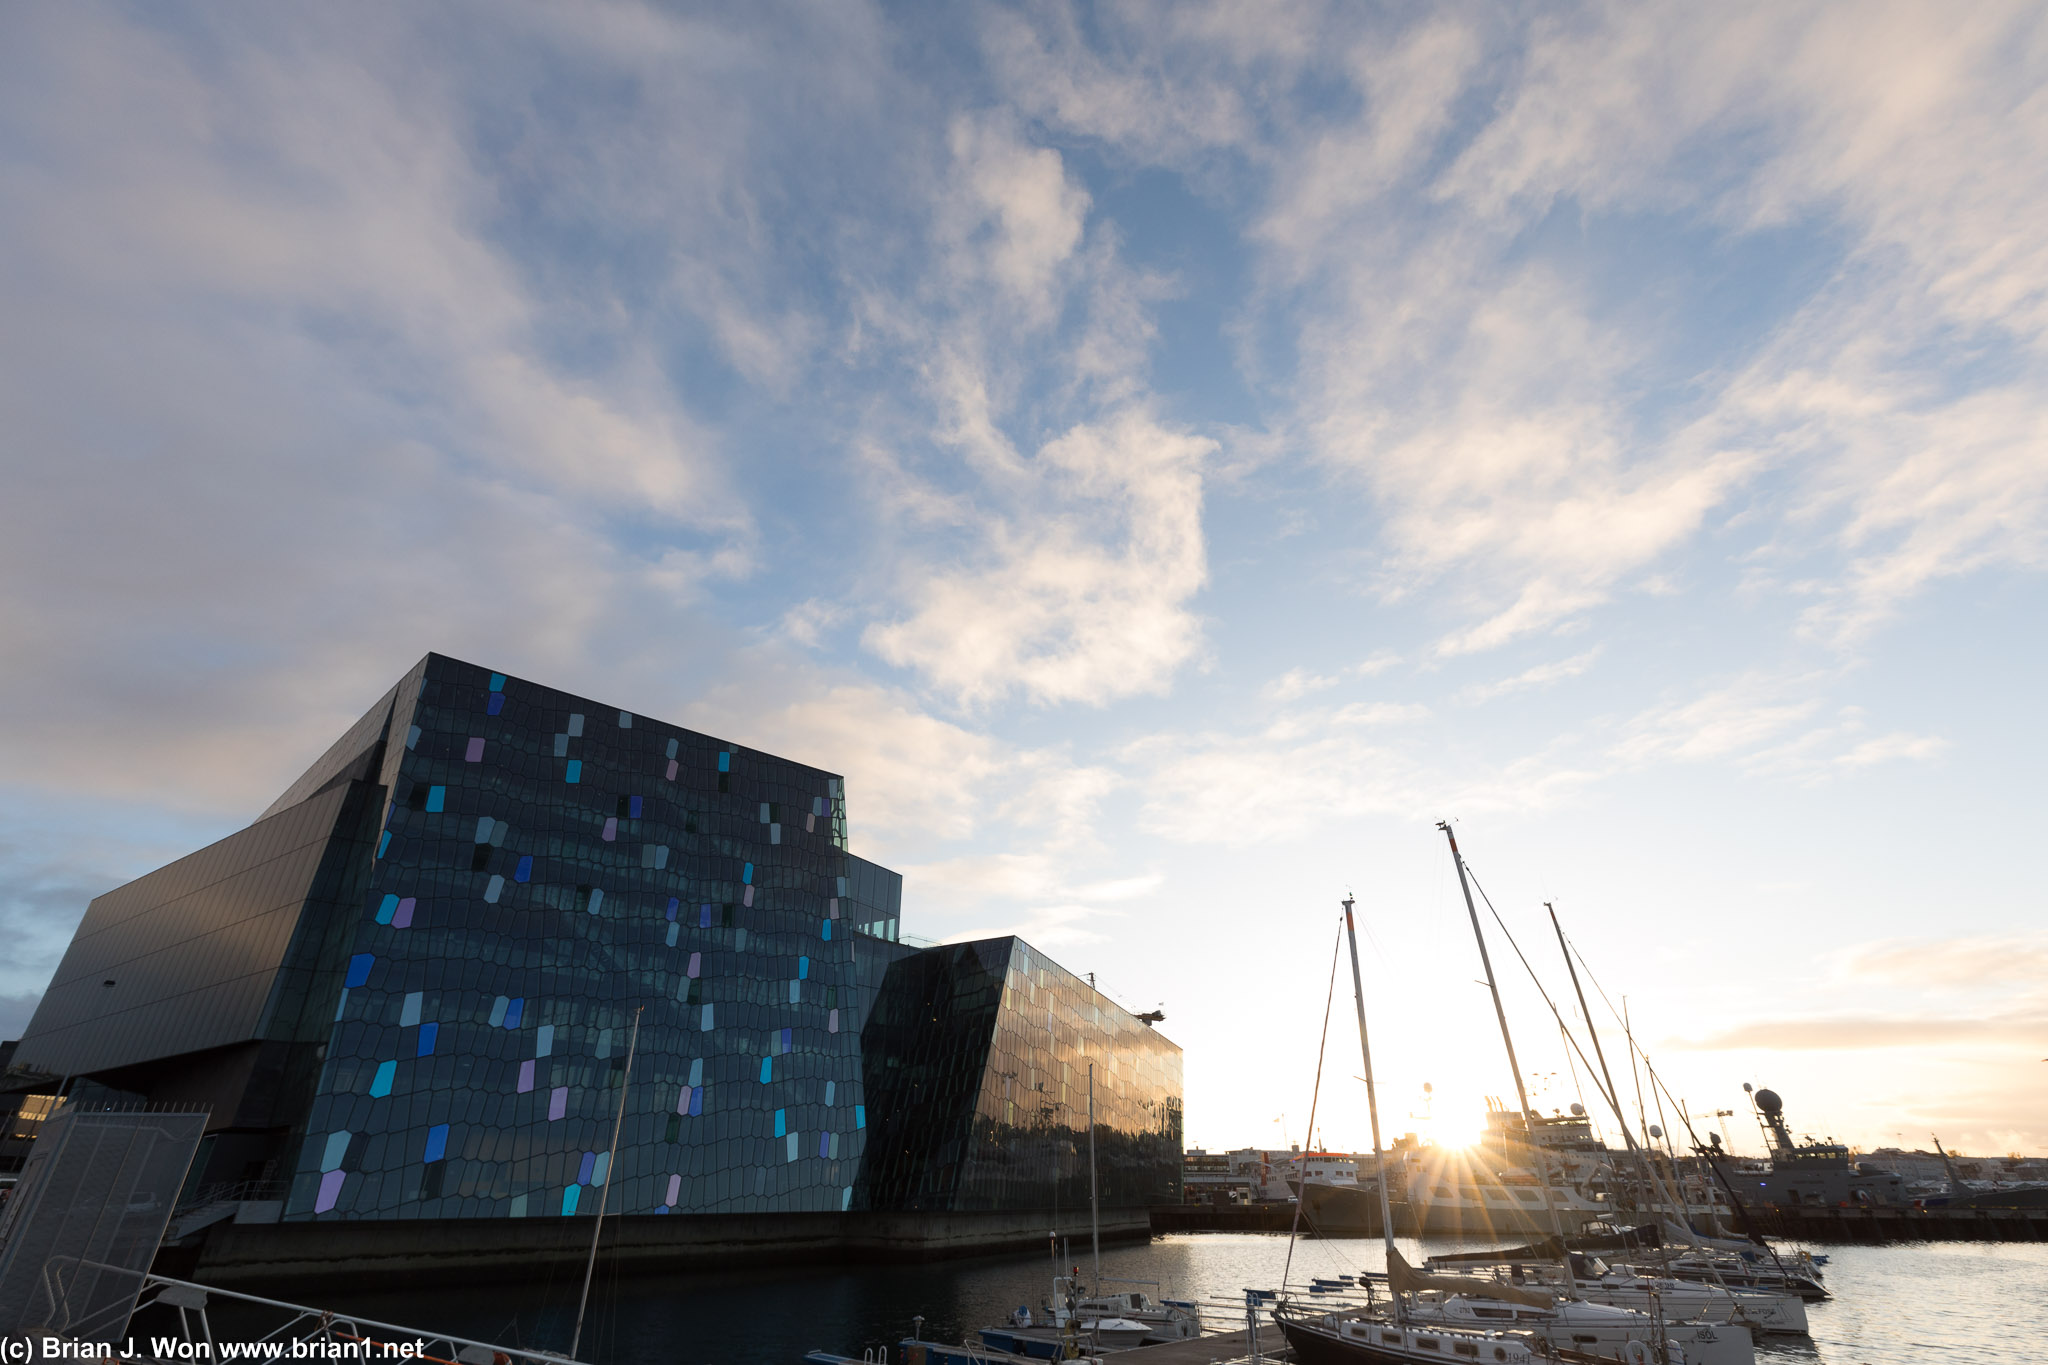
pixel 409 991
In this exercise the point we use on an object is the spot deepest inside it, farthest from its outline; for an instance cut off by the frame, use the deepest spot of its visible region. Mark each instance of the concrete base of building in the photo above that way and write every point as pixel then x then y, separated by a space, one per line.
pixel 371 1254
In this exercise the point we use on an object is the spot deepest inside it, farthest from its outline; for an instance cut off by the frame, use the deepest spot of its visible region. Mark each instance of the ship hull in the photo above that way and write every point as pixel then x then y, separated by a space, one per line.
pixel 1341 1211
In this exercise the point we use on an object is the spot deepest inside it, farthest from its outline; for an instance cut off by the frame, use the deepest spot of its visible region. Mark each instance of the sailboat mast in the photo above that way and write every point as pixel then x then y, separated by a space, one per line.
pixel 1521 1091
pixel 604 1193
pixel 1612 1096
pixel 1372 1103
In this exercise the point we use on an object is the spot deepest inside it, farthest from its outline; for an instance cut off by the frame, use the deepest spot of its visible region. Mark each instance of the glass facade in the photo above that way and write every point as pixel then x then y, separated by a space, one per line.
pixel 478 893
pixel 978 1059
pixel 547 869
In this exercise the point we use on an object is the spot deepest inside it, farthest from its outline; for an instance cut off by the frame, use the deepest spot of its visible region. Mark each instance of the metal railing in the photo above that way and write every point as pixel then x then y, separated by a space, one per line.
pixel 373 1340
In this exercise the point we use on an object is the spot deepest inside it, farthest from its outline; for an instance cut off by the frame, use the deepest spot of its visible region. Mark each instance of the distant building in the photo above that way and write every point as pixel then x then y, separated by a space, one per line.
pixel 408 991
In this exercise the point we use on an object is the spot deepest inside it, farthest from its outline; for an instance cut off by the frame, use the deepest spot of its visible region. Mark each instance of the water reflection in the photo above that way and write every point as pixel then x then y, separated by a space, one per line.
pixel 1900 1305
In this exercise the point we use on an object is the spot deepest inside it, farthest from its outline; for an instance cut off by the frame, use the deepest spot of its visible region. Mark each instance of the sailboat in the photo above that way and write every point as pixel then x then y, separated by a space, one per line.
pixel 1362 1337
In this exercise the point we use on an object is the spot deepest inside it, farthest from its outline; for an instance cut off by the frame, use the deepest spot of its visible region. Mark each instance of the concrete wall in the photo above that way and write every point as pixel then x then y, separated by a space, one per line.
pixel 366 1252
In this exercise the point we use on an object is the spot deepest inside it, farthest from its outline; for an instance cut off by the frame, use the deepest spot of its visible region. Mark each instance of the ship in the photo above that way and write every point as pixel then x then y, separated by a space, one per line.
pixel 1813 1174
pixel 1491 1189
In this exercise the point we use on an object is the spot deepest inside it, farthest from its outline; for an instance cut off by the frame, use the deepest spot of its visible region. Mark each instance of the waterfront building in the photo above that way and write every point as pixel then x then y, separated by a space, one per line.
pixel 408 991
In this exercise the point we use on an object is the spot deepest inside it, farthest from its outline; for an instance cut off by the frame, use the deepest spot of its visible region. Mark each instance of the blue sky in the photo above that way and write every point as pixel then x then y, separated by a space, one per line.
pixel 1166 456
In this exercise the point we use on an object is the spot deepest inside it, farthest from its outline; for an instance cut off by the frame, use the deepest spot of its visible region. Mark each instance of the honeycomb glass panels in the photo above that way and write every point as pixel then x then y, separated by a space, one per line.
pixel 548 870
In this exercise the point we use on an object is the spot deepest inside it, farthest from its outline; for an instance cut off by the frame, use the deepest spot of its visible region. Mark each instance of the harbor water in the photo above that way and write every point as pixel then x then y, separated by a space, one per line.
pixel 1908 1304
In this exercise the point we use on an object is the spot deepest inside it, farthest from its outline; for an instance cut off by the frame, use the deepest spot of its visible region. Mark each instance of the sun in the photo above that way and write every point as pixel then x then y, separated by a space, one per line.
pixel 1458 1130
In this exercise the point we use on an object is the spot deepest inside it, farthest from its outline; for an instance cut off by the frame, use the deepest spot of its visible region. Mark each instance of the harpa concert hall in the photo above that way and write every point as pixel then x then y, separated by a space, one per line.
pixel 407 994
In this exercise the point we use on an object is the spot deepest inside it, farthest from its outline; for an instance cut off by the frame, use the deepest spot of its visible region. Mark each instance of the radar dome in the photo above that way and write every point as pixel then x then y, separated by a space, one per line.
pixel 1768 1101
pixel 1578 1111
pixel 1655 1131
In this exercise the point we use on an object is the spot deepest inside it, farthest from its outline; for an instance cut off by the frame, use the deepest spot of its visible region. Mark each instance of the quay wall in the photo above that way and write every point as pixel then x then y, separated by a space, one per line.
pixel 450 1251
pixel 1903 1225
pixel 1277 1217
pixel 1805 1224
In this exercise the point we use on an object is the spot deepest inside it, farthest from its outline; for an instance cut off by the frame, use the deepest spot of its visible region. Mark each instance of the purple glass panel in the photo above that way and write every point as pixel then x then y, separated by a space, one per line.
pixel 558 1103
pixel 475 752
pixel 330 1190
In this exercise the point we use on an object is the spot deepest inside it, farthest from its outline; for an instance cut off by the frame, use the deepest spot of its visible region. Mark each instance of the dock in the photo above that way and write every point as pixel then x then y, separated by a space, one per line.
pixel 1226 1348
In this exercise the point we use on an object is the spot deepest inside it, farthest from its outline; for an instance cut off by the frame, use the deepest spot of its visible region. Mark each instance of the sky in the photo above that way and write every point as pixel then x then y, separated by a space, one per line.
pixel 1167 456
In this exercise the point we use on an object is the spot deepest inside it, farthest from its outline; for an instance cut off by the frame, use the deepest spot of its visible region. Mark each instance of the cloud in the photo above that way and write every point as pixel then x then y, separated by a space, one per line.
pixel 1538 676
pixel 1870 1032
pixel 1738 717
pixel 1015 219
pixel 1027 894
pixel 911 777
pixel 1088 604
pixel 1295 684
pixel 275 370
pixel 1539 425
pixel 1968 962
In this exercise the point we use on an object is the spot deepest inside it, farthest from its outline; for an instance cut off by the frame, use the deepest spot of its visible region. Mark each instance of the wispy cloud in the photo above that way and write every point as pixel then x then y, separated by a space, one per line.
pixel 1088 605
pixel 1870 1032
pixel 1538 676
pixel 1295 684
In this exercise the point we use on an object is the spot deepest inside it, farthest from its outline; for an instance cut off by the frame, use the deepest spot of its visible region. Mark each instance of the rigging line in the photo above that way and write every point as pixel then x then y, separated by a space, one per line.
pixel 1315 1096
pixel 1540 990
pixel 1577 1089
pixel 1613 1100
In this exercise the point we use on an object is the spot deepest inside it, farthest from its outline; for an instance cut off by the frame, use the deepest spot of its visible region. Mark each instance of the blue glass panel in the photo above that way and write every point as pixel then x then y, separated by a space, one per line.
pixel 575 770
pixel 633 809
pixel 513 1011
pixel 570 1198
pixel 428 1032
pixel 437 798
pixel 385 910
pixel 725 760
pixel 497 682
pixel 767 1070
pixel 380 1085
pixel 359 969
pixel 781 1122
pixel 497 703
pixel 525 869
pixel 860 1116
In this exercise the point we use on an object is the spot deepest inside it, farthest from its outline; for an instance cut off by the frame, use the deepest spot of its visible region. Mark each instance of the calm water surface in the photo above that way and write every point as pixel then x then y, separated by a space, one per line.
pixel 1985 1303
